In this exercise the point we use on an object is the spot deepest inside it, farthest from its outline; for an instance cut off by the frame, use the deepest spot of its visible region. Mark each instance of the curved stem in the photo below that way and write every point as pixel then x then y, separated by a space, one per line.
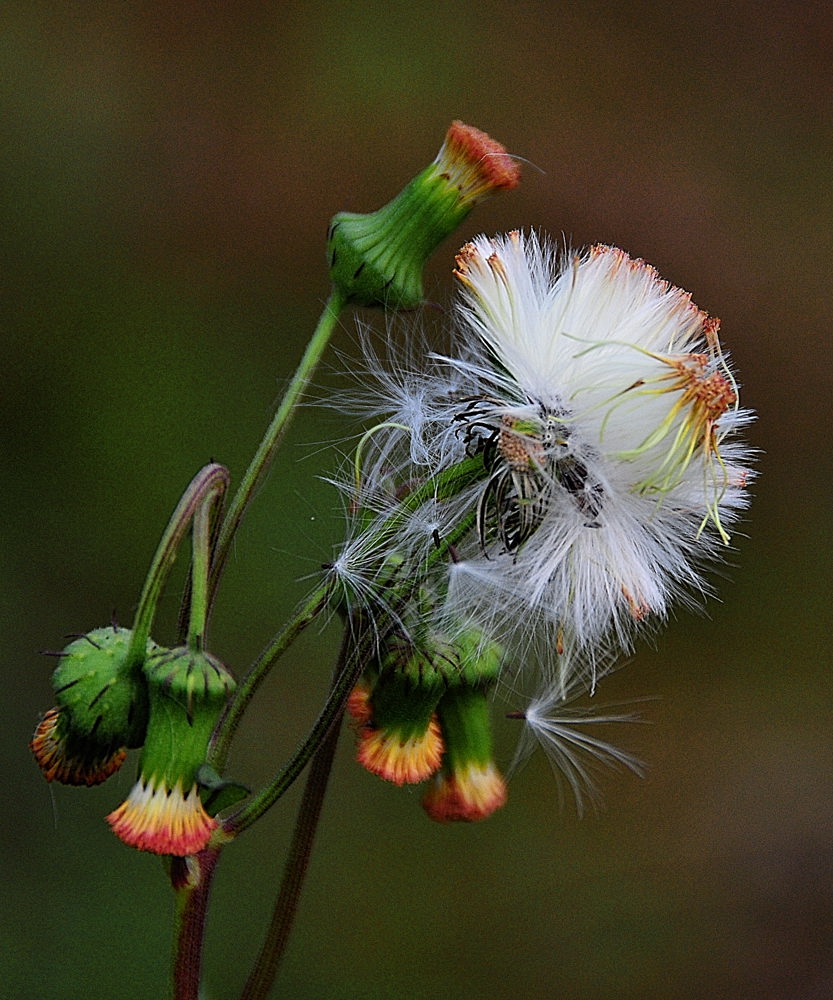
pixel 210 484
pixel 262 459
pixel 266 967
pixel 200 564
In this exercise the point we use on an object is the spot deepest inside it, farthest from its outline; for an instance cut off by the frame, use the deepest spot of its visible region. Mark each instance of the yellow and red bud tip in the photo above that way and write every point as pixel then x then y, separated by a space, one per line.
pixel 82 763
pixel 163 820
pixel 471 793
pixel 359 707
pixel 404 760
pixel 475 163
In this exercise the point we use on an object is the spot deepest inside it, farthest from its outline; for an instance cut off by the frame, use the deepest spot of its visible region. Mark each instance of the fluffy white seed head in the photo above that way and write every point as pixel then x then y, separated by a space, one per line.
pixel 605 403
pixel 606 416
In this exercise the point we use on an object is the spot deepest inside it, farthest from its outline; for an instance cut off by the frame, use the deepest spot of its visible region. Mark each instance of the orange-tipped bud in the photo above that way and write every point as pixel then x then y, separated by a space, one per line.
pixel 164 813
pixel 358 705
pixel 377 259
pixel 101 708
pixel 71 759
pixel 163 820
pixel 472 793
pixel 470 786
pixel 404 760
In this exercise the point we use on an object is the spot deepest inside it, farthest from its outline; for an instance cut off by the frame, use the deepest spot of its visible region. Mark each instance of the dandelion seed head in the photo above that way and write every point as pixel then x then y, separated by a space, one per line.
pixel 606 418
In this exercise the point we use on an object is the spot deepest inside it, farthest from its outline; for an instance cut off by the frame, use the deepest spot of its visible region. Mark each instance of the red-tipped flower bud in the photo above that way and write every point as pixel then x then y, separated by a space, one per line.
pixel 164 812
pixel 102 709
pixel 469 787
pixel 398 735
pixel 377 259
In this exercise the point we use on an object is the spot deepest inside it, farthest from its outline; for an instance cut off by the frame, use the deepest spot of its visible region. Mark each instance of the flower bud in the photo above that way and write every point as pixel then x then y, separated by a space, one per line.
pixel 469 787
pixel 398 734
pixel 164 812
pixel 102 709
pixel 377 259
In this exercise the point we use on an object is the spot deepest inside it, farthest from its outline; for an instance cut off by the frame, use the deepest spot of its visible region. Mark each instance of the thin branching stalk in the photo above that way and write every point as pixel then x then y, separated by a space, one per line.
pixel 332 711
pixel 200 567
pixel 259 465
pixel 189 925
pixel 268 962
pixel 318 745
pixel 304 616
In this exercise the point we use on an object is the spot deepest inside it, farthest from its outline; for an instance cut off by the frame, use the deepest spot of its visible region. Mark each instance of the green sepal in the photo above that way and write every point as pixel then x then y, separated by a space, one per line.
pixel 188 690
pixel 410 680
pixel 479 658
pixel 377 259
pixel 218 793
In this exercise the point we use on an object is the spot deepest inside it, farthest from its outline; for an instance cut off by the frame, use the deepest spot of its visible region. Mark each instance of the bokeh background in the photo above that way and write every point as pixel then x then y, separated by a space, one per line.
pixel 168 171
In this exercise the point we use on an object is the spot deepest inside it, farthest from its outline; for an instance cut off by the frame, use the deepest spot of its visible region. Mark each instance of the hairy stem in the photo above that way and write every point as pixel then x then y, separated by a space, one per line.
pixel 189 926
pixel 272 950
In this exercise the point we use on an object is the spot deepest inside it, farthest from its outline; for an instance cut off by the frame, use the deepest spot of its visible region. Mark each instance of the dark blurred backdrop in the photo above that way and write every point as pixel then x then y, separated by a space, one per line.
pixel 168 171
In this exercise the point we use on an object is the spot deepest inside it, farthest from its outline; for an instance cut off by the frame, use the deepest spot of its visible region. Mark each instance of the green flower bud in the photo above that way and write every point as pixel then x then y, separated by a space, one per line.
pixel 377 259
pixel 102 709
pixel 164 812
pixel 398 734
pixel 469 787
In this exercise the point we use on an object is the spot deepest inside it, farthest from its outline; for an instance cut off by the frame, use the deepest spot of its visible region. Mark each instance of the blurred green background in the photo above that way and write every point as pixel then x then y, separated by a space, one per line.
pixel 168 171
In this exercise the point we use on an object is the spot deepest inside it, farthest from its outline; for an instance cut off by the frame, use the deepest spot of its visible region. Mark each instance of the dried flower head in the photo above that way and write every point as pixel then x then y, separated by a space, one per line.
pixel 605 415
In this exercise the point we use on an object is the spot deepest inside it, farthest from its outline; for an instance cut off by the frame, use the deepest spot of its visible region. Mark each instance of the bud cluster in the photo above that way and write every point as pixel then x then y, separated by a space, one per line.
pixel 110 699
pixel 421 712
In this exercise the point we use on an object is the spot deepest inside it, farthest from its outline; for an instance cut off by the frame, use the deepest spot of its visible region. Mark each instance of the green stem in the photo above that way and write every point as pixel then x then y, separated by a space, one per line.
pixel 224 733
pixel 200 564
pixel 209 484
pixel 262 459
pixel 272 950
pixel 443 486
pixel 333 708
